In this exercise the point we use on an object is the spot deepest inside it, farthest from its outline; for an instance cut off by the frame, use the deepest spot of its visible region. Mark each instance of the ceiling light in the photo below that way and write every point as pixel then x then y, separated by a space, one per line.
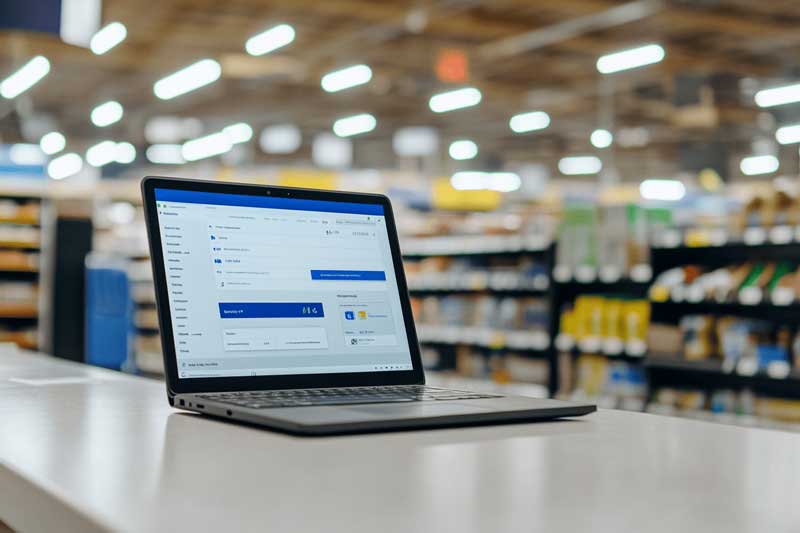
pixel 280 139
pixel 125 153
pixel 170 129
pixel 165 154
pixel 188 79
pixel 494 181
pixel 52 143
pixel 355 125
pixel 102 153
pixel 788 134
pixel 107 114
pixel 524 122
pixel 504 181
pixel 206 146
pixel 330 151
pixel 24 154
pixel 415 141
pixel 463 149
pixel 601 138
pixel 270 40
pixel 64 166
pixel 759 164
pixel 632 58
pixel 452 100
pixel 665 190
pixel 580 165
pixel 239 132
pixel 339 80
pixel 108 37
pixel 787 94
pixel 25 78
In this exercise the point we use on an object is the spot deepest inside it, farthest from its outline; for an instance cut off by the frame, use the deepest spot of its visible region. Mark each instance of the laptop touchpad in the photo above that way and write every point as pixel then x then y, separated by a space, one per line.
pixel 442 409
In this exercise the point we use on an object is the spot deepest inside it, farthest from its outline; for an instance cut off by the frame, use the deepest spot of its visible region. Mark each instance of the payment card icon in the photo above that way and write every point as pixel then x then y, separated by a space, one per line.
pixel 349 315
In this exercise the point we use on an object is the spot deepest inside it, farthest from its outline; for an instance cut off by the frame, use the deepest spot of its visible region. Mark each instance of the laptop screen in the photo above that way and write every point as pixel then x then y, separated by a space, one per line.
pixel 264 286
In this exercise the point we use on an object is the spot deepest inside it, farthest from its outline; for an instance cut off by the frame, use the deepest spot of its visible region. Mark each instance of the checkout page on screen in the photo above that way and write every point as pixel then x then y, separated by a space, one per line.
pixel 268 286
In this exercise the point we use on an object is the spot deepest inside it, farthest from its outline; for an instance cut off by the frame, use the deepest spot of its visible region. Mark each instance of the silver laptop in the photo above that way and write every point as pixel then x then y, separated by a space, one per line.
pixel 288 308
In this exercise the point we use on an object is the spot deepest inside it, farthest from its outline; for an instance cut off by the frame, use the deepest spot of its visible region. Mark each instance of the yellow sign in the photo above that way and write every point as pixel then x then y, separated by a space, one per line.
pixel 309 179
pixel 444 196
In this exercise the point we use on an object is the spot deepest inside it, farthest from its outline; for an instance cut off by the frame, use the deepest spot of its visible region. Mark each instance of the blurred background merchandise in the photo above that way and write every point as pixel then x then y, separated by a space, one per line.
pixel 596 199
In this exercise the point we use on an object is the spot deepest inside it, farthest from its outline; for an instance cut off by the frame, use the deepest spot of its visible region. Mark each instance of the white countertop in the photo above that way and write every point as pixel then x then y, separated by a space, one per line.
pixel 84 449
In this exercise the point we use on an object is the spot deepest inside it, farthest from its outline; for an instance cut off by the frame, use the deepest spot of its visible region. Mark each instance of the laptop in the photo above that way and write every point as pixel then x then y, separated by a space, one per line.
pixel 288 308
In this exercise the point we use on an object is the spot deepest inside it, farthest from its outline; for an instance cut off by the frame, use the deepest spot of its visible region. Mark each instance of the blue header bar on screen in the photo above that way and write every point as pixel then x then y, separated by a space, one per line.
pixel 243 200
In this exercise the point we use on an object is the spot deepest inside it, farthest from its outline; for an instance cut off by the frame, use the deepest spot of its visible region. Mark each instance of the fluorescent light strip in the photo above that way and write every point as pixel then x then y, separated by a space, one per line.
pixel 165 154
pixel 788 94
pixel 664 190
pixel 629 59
pixel 102 153
pixel 188 79
pixel 355 125
pixel 281 139
pixel 759 164
pixel 463 149
pixel 493 181
pixel 125 153
pixel 346 78
pixel 107 114
pixel 108 37
pixel 452 100
pixel 270 40
pixel 206 146
pixel 239 132
pixel 52 143
pixel 601 138
pixel 26 77
pixel 532 121
pixel 25 154
pixel 788 134
pixel 580 165
pixel 64 166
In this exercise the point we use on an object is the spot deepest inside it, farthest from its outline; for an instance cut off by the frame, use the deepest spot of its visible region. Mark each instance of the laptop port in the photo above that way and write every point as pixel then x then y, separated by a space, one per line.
pixel 201 406
pixel 183 403
pixel 229 412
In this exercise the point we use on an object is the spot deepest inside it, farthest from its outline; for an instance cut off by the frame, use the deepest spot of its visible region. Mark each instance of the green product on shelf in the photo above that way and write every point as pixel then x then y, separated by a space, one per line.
pixel 577 242
pixel 781 269
pixel 752 277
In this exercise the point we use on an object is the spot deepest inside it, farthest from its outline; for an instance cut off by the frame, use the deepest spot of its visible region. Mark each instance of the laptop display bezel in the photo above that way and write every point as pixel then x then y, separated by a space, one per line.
pixel 178 385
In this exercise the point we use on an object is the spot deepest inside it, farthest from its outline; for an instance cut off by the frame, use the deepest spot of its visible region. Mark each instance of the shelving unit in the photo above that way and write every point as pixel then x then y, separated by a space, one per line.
pixel 21 266
pixel 711 375
pixel 489 342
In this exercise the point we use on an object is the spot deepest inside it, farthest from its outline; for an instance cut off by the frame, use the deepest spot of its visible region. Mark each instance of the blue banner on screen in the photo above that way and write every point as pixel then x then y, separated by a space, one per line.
pixel 271 310
pixel 349 275
pixel 242 200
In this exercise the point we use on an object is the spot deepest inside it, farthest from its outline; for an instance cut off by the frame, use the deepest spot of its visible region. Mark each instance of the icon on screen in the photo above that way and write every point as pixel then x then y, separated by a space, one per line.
pixel 218 261
pixel 362 315
pixel 213 238
pixel 349 315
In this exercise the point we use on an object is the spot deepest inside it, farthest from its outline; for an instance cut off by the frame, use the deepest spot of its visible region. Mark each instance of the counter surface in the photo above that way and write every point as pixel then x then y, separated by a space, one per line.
pixel 84 449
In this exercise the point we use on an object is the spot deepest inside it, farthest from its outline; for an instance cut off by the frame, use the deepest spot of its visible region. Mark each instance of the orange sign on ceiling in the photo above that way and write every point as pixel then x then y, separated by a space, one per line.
pixel 452 65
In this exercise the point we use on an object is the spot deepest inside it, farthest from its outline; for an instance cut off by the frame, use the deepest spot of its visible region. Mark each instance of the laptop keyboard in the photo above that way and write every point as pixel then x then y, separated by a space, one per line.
pixel 340 396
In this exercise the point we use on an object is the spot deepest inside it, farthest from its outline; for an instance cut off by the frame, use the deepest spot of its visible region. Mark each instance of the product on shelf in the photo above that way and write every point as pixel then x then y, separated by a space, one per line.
pixel 12 211
pixel 743 346
pixel 15 260
pixel 605 242
pixel 613 384
pixel 609 325
pixel 489 321
pixel 749 283
pixel 451 274
pixel 741 407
